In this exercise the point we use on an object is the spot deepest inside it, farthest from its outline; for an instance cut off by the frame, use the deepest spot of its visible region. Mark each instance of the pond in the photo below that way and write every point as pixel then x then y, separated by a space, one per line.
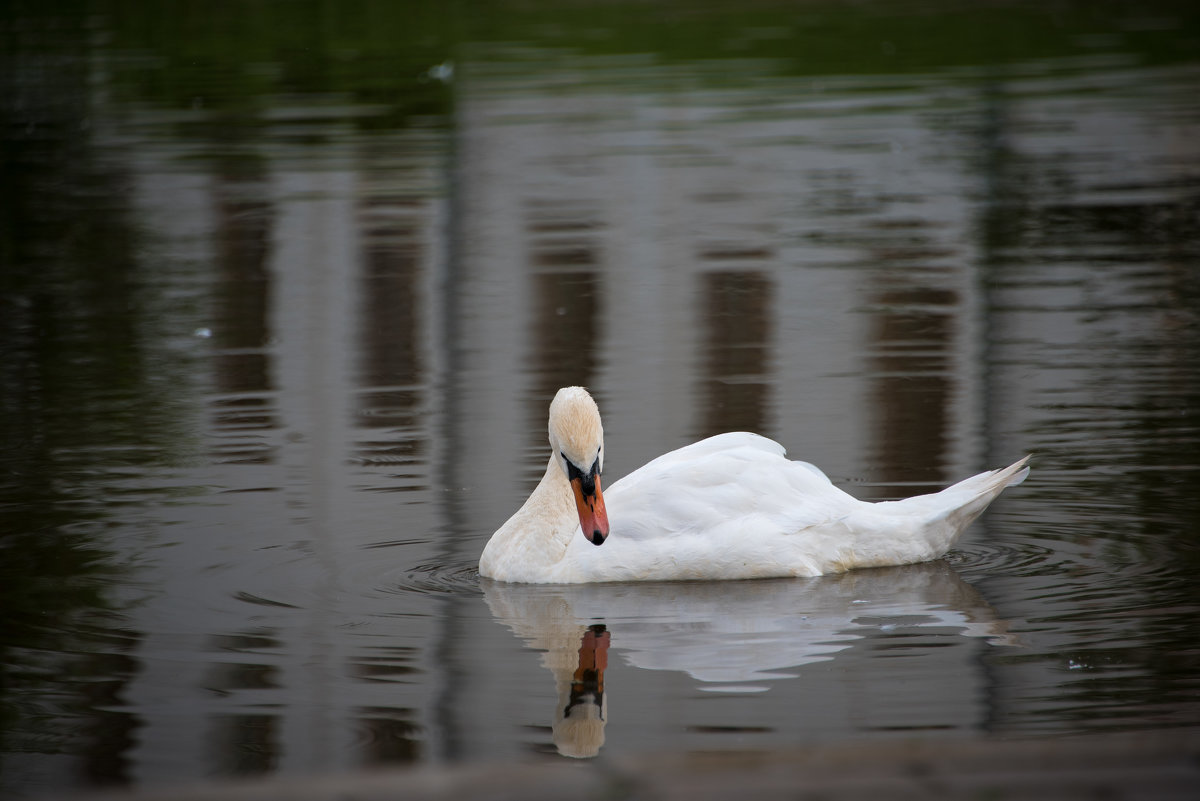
pixel 286 291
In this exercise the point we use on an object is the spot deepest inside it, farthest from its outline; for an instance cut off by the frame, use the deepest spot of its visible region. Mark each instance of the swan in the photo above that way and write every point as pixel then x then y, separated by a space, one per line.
pixel 727 507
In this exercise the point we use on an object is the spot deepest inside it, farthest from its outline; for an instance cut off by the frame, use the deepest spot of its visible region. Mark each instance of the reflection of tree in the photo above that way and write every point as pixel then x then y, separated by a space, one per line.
pixel 1091 277
pixel 370 52
pixel 79 395
pixel 1118 252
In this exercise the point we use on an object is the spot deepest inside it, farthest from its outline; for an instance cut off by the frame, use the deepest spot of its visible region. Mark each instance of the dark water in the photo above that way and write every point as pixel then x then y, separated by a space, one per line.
pixel 286 288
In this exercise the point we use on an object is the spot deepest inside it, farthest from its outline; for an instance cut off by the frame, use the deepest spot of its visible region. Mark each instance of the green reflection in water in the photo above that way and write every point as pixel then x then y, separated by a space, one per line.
pixel 231 55
pixel 88 390
pixel 84 398
pixel 839 38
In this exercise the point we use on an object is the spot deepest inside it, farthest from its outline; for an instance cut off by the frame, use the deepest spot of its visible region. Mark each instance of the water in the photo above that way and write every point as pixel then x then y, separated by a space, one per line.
pixel 285 297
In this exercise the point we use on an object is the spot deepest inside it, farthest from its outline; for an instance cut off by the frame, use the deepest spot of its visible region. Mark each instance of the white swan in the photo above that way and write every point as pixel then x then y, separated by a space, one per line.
pixel 727 507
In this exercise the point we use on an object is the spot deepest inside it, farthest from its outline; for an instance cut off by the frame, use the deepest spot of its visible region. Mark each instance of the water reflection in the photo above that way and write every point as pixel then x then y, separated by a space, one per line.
pixel 393 221
pixel 249 552
pixel 86 414
pixel 736 370
pixel 914 383
pixel 733 637
pixel 565 332
pixel 243 409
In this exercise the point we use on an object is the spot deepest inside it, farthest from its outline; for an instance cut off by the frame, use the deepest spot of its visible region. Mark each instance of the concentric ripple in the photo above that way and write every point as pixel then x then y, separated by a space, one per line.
pixel 992 558
pixel 460 579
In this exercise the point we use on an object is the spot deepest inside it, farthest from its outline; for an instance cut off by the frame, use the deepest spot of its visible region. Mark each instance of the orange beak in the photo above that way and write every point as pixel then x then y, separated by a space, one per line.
pixel 593 520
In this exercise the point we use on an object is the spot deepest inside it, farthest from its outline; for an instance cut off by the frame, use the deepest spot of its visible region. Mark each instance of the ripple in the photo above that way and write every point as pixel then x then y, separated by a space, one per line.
pixel 390 733
pixel 258 600
pixel 434 579
pixel 1025 559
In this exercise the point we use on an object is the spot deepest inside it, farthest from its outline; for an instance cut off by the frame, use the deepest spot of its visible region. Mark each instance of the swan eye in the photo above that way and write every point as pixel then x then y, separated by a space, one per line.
pixel 573 472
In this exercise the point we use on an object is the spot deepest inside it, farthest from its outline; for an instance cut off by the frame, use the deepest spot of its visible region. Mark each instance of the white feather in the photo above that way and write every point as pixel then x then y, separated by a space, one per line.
pixel 728 507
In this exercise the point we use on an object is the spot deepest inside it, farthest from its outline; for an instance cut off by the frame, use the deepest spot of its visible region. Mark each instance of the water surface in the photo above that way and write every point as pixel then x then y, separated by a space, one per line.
pixel 283 311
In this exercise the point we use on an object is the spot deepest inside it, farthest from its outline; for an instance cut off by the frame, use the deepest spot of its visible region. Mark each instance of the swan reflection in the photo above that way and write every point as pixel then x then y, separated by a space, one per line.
pixel 729 637
pixel 578 728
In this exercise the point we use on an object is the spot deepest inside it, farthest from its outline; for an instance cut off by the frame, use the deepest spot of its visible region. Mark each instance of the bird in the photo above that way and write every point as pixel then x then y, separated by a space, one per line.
pixel 731 506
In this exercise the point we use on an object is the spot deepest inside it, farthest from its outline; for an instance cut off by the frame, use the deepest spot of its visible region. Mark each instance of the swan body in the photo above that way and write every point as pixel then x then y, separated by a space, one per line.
pixel 728 507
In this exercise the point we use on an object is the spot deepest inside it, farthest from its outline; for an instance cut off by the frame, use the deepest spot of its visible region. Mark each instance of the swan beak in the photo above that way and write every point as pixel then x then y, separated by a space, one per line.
pixel 593 519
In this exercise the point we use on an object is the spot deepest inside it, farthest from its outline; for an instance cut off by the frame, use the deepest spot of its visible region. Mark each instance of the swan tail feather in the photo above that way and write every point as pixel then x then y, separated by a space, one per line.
pixel 958 505
pixel 939 518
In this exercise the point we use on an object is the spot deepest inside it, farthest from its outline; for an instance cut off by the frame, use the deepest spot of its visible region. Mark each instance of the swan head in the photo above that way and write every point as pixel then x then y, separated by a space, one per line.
pixel 577 439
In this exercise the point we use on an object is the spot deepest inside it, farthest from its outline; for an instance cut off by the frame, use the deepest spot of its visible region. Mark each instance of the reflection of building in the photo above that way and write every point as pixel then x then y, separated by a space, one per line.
pixel 391 328
pixel 707 272
pixel 381 374
pixel 318 418
pixel 402 362
pixel 243 413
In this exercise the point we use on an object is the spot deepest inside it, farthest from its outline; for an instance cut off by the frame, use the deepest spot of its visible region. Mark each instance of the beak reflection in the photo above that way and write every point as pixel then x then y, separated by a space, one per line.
pixel 579 730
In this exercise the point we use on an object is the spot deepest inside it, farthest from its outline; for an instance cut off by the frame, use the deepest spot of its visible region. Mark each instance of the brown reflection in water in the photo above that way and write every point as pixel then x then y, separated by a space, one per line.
pixel 244 743
pixel 565 328
pixel 735 381
pixel 242 326
pixel 913 391
pixel 391 370
pixel 111 732
pixel 391 735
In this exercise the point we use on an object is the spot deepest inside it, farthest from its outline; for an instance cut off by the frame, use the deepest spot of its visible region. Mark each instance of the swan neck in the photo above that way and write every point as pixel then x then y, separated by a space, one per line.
pixel 559 504
pixel 549 518
pixel 536 537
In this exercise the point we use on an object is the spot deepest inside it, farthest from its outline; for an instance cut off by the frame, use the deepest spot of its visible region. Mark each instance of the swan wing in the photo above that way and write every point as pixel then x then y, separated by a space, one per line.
pixel 737 482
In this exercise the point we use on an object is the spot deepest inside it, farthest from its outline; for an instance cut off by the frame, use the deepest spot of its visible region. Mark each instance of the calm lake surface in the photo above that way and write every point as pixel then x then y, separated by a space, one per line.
pixel 285 291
